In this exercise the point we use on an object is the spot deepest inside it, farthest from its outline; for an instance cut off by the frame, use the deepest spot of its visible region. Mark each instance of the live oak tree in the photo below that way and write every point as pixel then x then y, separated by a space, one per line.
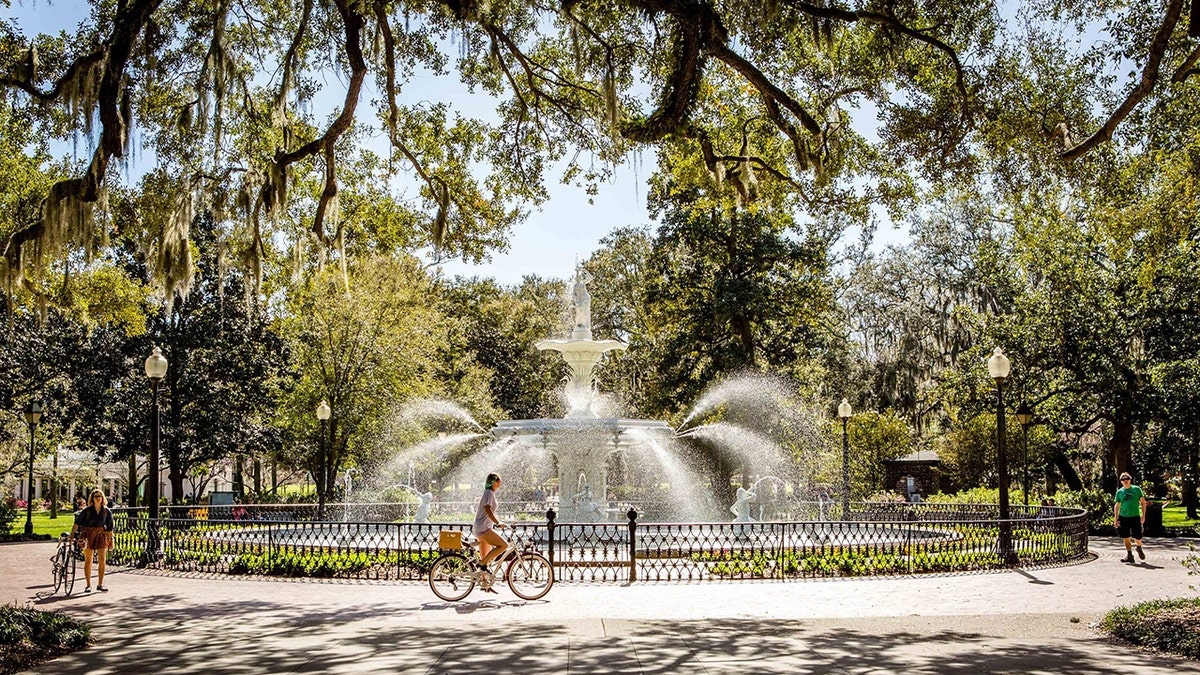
pixel 228 96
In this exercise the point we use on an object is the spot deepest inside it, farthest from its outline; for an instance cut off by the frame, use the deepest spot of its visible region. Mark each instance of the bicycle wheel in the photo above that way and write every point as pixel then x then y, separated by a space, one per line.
pixel 57 564
pixel 68 570
pixel 451 578
pixel 530 576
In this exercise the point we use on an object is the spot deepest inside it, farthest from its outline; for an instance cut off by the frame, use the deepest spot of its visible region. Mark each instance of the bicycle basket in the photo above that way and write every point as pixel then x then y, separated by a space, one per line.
pixel 449 539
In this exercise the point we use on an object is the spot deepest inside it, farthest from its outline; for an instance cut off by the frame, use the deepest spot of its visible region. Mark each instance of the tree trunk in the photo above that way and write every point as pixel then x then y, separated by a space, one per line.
pixel 257 477
pixel 239 480
pixel 176 478
pixel 1070 476
pixel 1189 496
pixel 1121 446
pixel 132 498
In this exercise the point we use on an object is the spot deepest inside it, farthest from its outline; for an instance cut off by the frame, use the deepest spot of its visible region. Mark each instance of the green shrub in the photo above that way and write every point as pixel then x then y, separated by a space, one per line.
pixel 1167 625
pixel 28 636
pixel 8 514
pixel 325 565
pixel 1097 503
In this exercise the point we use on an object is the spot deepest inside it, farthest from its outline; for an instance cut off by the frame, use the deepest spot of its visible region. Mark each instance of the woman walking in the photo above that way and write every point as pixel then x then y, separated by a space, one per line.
pixel 93 528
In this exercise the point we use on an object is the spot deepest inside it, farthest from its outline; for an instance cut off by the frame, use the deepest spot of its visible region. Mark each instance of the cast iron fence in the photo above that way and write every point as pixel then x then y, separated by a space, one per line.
pixel 873 539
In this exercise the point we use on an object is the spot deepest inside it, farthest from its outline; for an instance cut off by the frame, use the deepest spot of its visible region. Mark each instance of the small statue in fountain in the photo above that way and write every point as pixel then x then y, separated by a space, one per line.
pixel 585 505
pixel 741 508
pixel 582 299
pixel 424 500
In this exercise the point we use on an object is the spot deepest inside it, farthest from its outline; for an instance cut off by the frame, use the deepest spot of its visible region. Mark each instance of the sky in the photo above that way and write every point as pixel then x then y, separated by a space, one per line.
pixel 566 227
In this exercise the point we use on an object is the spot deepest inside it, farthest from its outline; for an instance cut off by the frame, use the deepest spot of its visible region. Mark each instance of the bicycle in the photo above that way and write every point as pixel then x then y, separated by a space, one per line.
pixel 63 564
pixel 454 574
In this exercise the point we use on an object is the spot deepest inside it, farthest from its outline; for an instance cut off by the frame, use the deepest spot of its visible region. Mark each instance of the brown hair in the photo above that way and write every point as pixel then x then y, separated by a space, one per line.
pixel 97 492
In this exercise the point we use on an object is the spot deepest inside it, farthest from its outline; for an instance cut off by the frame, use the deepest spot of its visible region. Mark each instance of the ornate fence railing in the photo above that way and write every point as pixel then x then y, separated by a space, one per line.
pixel 873 539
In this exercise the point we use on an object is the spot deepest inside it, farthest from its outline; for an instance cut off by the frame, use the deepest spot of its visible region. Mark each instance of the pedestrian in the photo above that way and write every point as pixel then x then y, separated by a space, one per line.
pixel 94 529
pixel 1129 515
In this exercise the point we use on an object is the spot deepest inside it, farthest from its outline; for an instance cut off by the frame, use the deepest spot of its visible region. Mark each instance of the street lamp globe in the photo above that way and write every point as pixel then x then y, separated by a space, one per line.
pixel 323 410
pixel 33 412
pixel 844 409
pixel 156 365
pixel 1024 414
pixel 998 366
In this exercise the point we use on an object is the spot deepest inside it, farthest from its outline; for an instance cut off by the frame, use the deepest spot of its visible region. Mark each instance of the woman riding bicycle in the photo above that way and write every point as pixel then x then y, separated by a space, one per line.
pixel 491 544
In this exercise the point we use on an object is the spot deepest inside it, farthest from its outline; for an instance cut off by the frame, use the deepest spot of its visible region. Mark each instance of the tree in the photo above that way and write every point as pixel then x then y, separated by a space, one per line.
pixel 567 75
pixel 500 328
pixel 365 347
pixel 875 438
pixel 728 292
pixel 226 368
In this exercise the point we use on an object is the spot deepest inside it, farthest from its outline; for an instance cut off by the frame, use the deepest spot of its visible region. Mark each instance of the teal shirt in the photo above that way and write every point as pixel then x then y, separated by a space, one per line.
pixel 1130 499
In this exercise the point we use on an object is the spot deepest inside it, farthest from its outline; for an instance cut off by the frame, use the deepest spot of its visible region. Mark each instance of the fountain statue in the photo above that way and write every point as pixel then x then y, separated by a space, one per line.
pixel 741 508
pixel 424 500
pixel 585 505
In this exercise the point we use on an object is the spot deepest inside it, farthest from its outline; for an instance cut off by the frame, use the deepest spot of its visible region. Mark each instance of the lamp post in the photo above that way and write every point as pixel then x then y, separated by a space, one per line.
pixel 1025 417
pixel 844 412
pixel 33 415
pixel 998 368
pixel 156 370
pixel 323 413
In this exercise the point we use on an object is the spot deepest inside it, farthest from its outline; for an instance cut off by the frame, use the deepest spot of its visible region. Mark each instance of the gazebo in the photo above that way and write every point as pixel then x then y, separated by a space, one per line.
pixel 913 474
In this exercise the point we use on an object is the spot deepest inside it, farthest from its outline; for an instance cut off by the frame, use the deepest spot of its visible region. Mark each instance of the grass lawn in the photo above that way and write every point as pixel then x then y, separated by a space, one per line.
pixel 43 524
pixel 1175 515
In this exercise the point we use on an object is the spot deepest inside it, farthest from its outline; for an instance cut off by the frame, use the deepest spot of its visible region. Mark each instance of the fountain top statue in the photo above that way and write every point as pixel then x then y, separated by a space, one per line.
pixel 581 352
pixel 583 305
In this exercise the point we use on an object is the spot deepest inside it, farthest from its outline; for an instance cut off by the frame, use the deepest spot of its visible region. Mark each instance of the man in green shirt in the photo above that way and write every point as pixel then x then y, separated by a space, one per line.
pixel 1129 515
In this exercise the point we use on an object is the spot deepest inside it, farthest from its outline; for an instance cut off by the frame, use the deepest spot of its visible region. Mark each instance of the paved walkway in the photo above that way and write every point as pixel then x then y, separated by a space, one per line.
pixel 1005 622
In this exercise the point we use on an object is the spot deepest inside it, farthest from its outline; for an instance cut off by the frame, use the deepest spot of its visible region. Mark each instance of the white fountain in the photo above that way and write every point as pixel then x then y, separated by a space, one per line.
pixel 582 441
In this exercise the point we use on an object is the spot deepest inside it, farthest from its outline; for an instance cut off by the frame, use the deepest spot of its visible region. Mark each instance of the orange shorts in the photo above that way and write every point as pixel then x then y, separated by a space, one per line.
pixel 96 538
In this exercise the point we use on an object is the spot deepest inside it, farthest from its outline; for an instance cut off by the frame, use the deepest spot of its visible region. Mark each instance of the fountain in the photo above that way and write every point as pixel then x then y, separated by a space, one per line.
pixel 582 442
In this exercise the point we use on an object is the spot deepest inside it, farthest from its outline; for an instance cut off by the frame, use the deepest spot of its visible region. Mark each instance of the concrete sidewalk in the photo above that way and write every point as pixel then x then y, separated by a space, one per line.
pixel 1012 621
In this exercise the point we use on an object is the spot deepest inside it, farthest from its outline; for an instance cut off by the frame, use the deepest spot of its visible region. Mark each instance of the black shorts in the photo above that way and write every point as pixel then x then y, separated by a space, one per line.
pixel 1129 527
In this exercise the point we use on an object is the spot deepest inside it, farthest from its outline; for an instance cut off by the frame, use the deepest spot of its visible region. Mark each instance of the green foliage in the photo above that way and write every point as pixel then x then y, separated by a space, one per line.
pixel 969 453
pixel 8 515
pixel 326 564
pixel 498 328
pixel 1097 503
pixel 728 292
pixel 26 629
pixel 1166 625
pixel 843 562
pixel 875 438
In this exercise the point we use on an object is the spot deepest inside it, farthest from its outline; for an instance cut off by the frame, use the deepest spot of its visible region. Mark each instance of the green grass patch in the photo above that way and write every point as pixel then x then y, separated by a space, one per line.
pixel 29 636
pixel 1166 625
pixel 43 524
pixel 1175 515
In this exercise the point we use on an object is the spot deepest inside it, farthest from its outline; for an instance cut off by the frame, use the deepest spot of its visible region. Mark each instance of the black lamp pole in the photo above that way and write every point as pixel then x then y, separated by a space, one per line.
pixel 33 415
pixel 998 368
pixel 844 412
pixel 155 449
pixel 156 370
pixel 1025 417
pixel 322 475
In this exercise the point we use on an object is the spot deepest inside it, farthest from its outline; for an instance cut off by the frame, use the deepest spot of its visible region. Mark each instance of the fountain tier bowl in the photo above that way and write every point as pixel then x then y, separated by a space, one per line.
pixel 545 430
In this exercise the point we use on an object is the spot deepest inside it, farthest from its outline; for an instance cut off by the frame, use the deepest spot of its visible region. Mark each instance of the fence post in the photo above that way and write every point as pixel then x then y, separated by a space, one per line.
pixel 550 516
pixel 632 544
